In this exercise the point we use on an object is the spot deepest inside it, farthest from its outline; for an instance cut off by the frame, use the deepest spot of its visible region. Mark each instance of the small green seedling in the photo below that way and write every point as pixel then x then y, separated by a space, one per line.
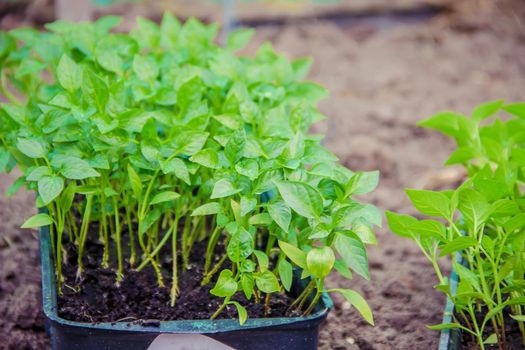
pixel 483 221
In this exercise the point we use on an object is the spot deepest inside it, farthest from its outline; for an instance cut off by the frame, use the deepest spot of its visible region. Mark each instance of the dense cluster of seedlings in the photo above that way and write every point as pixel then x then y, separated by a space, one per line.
pixel 163 138
pixel 481 224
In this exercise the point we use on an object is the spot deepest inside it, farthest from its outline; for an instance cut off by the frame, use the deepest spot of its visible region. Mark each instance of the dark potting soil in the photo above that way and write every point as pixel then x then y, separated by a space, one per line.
pixel 514 340
pixel 97 298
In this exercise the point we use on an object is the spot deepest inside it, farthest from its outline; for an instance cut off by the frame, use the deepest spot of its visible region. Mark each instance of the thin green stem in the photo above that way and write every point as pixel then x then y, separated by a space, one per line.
pixel 210 248
pixel 206 279
pixel 120 269
pixel 316 298
pixel 83 232
pixel 219 310
pixel 175 279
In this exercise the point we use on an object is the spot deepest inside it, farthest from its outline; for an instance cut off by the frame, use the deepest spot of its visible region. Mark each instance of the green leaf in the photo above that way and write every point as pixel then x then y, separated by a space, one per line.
pixel 429 228
pixel 223 188
pixel 458 244
pixel 15 112
pixel 474 207
pixel 517 109
pixel 294 254
pixel 446 122
pixel 151 218
pixel 206 157
pixel 355 299
pixel 352 251
pixel 178 167
pixel 96 88
pixel 38 172
pixel 15 186
pixel 302 198
pixel 320 261
pixel 285 273
pixel 190 142
pixel 69 74
pixel 169 30
pixel 147 33
pixel 248 168
pixel 260 219
pixel 491 339
pixel 247 205
pixel 301 67
pixel 362 183
pixel 166 196
pixel 241 312
pixel 110 61
pixel 247 284
pixel 400 224
pixel 225 285
pixel 520 318
pixel 239 38
pixel 31 148
pixel 262 259
pixel 431 203
pixel 442 326
pixel 146 68
pixel 38 220
pixel 49 187
pixel 229 121
pixel 134 180
pixel 267 282
pixel 77 169
pixel 207 209
pixel 320 231
pixel 340 266
pixel 365 233
pixel 487 109
pixel 281 214
pixel 468 276
pixel 240 246
pixel 354 212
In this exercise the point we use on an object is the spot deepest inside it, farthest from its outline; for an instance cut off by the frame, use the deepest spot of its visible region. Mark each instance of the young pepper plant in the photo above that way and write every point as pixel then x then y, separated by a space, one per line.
pixel 154 140
pixel 482 221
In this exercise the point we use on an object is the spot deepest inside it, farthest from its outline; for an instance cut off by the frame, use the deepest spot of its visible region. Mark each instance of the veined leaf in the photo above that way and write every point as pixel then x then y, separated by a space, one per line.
pixel 293 253
pixel 38 220
pixel 353 252
pixel 355 299
pixel 223 188
pixel 164 197
pixel 302 198
pixel 281 214
pixel 207 209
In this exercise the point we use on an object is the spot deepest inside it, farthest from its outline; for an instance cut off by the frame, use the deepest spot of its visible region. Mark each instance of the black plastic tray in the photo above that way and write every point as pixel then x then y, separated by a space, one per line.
pixel 290 333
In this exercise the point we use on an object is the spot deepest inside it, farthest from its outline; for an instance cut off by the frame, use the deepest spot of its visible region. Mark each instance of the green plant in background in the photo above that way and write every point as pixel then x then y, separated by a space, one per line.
pixel 160 138
pixel 483 220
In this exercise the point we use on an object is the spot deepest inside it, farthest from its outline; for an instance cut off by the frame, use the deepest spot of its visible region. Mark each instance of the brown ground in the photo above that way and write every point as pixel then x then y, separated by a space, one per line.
pixel 382 82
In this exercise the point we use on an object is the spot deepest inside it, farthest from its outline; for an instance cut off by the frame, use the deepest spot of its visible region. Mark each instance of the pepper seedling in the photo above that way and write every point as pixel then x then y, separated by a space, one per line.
pixel 483 221
pixel 160 138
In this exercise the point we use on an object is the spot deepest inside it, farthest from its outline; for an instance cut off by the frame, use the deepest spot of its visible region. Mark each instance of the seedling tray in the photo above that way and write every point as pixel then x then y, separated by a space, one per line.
pixel 450 339
pixel 263 333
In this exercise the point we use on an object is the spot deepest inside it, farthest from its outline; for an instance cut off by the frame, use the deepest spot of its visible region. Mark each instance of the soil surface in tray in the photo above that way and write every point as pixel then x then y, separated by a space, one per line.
pixel 513 335
pixel 382 81
pixel 97 298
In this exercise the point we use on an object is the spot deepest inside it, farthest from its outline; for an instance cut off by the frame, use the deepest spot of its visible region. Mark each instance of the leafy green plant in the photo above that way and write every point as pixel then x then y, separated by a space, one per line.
pixel 162 138
pixel 482 221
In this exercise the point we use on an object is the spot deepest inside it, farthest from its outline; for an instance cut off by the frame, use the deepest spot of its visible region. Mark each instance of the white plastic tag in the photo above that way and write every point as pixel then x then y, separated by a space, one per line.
pixel 186 342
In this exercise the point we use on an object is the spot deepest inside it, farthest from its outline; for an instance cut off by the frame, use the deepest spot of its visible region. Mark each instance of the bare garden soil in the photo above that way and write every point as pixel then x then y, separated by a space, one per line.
pixel 383 79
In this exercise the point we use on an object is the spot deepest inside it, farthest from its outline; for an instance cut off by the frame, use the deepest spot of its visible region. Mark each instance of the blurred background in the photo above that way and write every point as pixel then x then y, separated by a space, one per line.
pixel 388 64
